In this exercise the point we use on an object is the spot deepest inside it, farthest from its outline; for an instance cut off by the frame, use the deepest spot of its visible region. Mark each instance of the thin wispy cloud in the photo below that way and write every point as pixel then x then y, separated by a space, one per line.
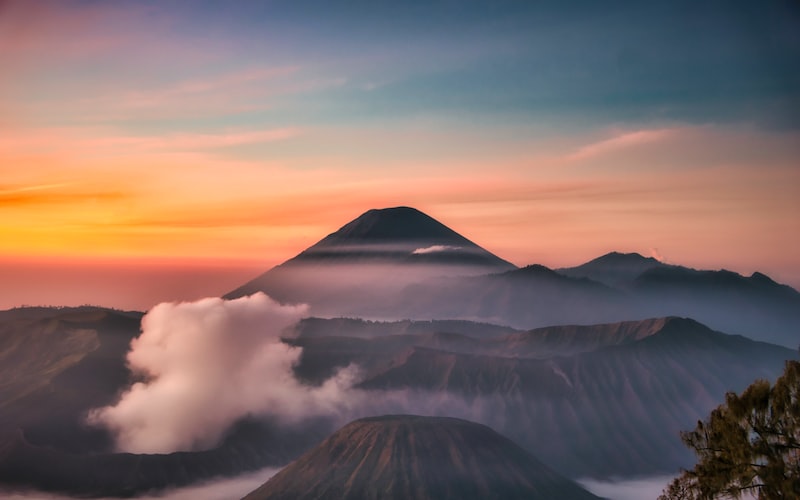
pixel 99 140
pixel 435 249
pixel 618 143
pixel 206 141
pixel 249 81
pixel 59 194
pixel 7 190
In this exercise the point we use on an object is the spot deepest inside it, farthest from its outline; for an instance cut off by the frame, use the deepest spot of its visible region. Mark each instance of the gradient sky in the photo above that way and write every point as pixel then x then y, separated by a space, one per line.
pixel 157 150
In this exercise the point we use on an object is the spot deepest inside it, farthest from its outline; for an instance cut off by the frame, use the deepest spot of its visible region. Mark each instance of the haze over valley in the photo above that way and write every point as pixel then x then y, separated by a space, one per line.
pixel 389 250
pixel 102 402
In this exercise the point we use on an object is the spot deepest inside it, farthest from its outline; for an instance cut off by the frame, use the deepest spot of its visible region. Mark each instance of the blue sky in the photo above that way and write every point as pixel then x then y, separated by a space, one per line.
pixel 549 132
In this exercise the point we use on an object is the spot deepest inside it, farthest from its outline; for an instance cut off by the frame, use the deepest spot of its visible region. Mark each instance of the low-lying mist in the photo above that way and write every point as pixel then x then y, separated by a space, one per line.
pixel 638 488
pixel 220 489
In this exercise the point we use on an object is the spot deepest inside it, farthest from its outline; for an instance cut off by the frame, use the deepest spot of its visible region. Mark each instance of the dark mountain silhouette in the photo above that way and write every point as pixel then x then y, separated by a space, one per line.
pixel 617 270
pixel 398 263
pixel 417 458
pixel 399 234
pixel 357 269
pixel 354 327
pixel 546 342
pixel 755 306
pixel 523 298
pixel 535 296
pixel 42 467
pixel 331 344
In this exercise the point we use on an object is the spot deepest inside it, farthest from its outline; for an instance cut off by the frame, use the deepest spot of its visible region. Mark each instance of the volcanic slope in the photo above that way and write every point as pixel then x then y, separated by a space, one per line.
pixel 358 270
pixel 417 458
pixel 603 400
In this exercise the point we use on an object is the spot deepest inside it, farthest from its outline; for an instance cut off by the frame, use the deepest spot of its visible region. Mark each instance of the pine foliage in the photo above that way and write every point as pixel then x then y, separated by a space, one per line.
pixel 749 447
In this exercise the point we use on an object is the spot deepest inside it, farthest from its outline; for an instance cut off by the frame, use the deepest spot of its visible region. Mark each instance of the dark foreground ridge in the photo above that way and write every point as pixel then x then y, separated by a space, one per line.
pixel 417 458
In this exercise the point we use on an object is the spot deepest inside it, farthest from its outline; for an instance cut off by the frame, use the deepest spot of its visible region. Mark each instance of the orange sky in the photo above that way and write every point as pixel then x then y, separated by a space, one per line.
pixel 143 160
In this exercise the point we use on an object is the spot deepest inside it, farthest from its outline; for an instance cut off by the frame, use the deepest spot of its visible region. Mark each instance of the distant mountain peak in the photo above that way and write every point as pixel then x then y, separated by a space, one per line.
pixel 762 278
pixel 380 250
pixel 536 269
pixel 624 258
pixel 397 224
pixel 615 269
pixel 400 234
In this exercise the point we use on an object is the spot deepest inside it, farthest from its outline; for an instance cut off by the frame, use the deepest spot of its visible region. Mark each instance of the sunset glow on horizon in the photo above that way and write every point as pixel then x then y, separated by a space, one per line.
pixel 201 143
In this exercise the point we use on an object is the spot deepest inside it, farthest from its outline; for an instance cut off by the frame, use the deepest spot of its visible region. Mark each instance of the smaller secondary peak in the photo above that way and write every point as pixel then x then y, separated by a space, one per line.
pixel 623 258
pixel 762 278
pixel 614 269
pixel 679 322
pixel 535 270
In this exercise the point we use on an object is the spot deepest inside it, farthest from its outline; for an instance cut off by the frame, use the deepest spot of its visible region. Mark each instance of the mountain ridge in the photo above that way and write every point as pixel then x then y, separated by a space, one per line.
pixel 399 263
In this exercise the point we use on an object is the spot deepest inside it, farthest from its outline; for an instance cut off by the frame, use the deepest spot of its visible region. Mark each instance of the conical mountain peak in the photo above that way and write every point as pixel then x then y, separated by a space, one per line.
pixel 394 225
pixel 400 235
pixel 412 457
pixel 614 269
pixel 372 258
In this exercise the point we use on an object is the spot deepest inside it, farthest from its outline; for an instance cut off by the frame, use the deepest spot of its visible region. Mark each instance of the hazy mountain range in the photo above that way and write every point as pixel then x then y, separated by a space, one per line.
pixel 593 369
pixel 377 267
pixel 605 399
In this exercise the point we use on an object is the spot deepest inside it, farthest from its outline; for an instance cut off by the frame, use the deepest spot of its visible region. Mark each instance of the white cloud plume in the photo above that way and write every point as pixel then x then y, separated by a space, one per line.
pixel 434 249
pixel 619 142
pixel 207 364
pixel 654 253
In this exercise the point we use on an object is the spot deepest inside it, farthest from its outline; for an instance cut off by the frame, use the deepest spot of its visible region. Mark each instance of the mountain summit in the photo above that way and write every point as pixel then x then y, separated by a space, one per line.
pixel 369 259
pixel 400 235
pixel 398 263
pixel 394 225
pixel 417 458
pixel 614 269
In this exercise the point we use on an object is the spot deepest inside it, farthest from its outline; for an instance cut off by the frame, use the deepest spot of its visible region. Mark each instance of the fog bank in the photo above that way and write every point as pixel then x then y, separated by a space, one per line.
pixel 628 488
pixel 223 489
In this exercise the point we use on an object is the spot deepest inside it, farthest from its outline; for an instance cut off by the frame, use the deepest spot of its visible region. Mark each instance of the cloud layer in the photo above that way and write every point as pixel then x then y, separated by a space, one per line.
pixel 207 364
